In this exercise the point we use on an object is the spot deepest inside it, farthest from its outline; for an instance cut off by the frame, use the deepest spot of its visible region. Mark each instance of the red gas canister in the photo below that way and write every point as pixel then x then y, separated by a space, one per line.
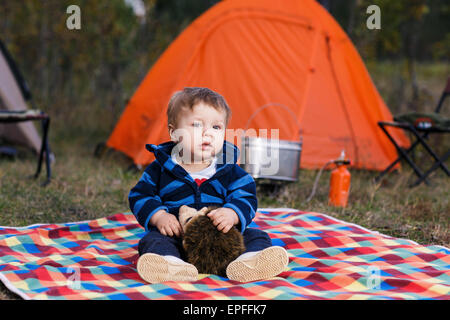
pixel 339 183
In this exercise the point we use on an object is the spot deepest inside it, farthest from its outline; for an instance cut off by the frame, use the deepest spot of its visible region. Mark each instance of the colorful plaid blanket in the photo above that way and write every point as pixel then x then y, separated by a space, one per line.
pixel 328 259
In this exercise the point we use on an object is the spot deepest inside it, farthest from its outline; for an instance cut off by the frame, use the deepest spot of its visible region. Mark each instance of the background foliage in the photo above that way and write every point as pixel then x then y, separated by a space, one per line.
pixel 93 71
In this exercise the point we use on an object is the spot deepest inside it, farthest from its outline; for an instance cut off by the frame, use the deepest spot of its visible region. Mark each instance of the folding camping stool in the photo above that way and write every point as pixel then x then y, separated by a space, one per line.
pixel 420 125
pixel 30 115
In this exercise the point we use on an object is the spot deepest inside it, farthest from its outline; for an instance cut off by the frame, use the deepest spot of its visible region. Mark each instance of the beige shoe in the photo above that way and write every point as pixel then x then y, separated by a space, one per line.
pixel 264 264
pixel 154 268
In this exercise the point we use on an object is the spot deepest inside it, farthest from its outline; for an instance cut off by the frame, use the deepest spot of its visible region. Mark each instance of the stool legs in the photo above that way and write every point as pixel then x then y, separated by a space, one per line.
pixel 437 164
pixel 420 139
pixel 403 154
pixel 45 151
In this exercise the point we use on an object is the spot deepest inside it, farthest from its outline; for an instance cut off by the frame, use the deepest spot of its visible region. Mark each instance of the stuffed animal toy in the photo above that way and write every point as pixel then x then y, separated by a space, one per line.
pixel 207 248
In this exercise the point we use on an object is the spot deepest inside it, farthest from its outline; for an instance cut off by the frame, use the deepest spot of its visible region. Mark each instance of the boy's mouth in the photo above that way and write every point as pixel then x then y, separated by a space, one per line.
pixel 206 145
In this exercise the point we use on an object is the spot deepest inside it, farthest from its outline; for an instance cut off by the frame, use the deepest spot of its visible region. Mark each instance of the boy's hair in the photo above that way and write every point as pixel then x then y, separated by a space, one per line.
pixel 190 96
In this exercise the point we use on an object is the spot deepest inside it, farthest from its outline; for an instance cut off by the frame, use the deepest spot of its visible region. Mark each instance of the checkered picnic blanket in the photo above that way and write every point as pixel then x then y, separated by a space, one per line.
pixel 328 259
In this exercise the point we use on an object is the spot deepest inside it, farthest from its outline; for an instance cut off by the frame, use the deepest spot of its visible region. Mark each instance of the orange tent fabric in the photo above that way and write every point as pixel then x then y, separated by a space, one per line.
pixel 265 52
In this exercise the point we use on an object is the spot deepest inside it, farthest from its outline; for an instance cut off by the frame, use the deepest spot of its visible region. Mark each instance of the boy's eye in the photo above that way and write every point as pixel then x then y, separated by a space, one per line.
pixel 217 127
pixel 197 124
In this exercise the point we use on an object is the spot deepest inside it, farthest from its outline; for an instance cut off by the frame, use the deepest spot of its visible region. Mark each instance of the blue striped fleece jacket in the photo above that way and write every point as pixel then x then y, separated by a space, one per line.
pixel 166 185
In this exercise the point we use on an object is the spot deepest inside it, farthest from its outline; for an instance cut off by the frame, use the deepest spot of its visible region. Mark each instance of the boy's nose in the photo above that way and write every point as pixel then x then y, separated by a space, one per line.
pixel 207 131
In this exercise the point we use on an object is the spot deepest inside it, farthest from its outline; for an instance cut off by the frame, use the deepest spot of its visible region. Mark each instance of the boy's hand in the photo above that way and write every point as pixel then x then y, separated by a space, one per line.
pixel 223 218
pixel 166 223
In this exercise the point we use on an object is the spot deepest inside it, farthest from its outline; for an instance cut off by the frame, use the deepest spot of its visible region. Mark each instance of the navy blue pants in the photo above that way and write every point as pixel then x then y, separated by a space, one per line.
pixel 155 242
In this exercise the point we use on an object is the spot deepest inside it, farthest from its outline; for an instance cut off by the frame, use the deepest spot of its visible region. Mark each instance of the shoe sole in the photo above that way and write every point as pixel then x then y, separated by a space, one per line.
pixel 154 268
pixel 269 263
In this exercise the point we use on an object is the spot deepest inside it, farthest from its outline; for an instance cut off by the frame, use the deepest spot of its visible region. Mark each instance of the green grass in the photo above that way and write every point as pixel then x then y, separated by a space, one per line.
pixel 421 214
pixel 84 187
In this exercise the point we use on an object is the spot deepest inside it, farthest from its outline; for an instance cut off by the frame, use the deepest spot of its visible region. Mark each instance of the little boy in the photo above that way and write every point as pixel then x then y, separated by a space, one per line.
pixel 198 168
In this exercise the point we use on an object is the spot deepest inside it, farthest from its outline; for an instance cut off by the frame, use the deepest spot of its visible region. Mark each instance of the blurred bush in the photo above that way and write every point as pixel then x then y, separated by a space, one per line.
pixel 80 76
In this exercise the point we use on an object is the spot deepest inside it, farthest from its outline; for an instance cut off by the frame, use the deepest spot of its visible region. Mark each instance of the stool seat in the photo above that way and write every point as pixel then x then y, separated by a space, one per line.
pixel 425 121
pixel 25 115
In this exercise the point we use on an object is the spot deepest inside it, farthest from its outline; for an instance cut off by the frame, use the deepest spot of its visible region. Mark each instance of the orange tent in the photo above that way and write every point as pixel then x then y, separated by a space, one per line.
pixel 260 52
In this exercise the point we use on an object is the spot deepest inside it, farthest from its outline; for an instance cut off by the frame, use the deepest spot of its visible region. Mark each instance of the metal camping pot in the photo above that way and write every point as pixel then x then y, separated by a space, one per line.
pixel 271 158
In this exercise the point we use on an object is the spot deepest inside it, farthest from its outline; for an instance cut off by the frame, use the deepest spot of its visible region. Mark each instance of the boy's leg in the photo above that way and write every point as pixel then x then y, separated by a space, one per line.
pixel 155 242
pixel 256 240
pixel 260 261
pixel 160 259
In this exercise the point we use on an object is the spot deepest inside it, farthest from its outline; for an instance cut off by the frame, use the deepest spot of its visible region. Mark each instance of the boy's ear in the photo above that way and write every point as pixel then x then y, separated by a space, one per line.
pixel 172 133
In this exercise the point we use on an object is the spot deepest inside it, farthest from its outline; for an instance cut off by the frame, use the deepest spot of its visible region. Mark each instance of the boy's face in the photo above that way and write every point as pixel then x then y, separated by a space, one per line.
pixel 200 133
